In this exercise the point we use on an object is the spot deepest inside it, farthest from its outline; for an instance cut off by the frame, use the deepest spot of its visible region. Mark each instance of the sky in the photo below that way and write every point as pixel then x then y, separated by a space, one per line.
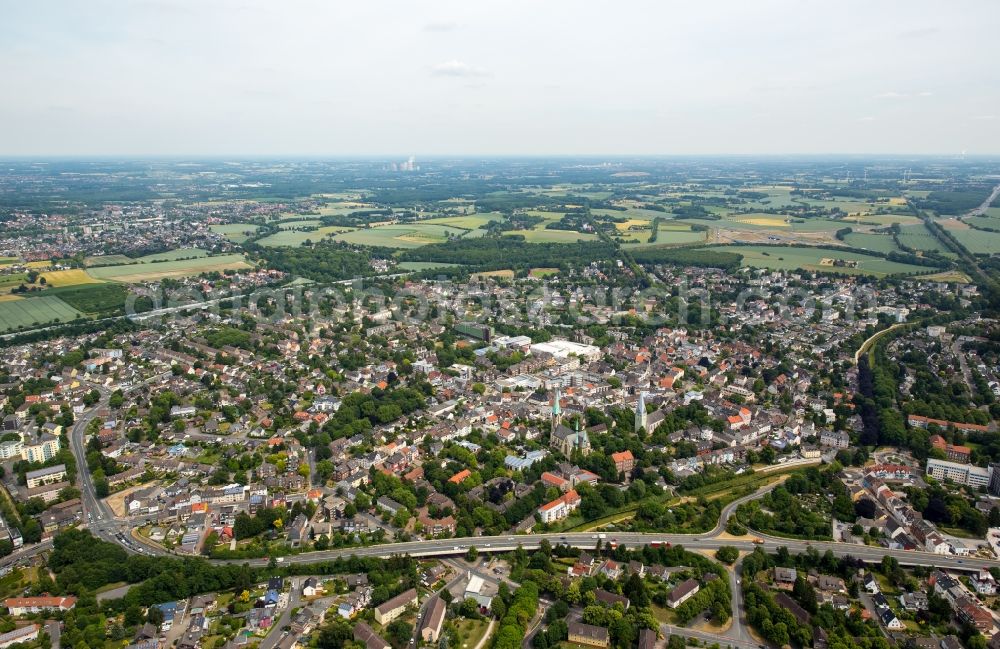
pixel 482 77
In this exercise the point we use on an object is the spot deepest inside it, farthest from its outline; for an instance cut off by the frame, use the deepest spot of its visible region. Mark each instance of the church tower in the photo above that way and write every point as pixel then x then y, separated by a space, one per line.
pixel 640 411
pixel 556 410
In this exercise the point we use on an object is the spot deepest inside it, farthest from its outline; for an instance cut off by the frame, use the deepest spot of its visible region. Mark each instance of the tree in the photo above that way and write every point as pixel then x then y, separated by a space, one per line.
pixel 133 615
pixel 497 608
pixel 154 615
pixel 727 554
pixel 335 635
pixel 470 609
pixel 635 590
pixel 31 531
pixel 472 554
pixel 398 633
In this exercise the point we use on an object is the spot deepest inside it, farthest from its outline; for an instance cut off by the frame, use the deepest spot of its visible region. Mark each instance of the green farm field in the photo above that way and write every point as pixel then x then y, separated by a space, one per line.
pixel 978 242
pixel 668 236
pixel 401 235
pixel 287 238
pixel 235 232
pixel 297 225
pixel 808 259
pixel 872 241
pixel 172 255
pixel 553 236
pixel 468 221
pixel 107 260
pixel 34 311
pixel 918 237
pixel 150 272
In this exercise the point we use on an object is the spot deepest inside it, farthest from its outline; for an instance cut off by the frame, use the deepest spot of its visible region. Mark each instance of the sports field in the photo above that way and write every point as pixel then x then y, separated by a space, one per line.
pixel 151 272
pixel 809 259
pixel 34 311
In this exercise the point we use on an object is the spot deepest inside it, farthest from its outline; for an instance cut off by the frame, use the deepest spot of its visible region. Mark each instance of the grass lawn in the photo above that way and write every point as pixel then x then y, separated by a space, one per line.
pixel 14 583
pixel 662 615
pixel 959 532
pixel 470 632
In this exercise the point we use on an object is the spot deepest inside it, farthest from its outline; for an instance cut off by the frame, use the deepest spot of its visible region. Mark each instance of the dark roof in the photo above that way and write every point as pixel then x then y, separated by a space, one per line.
pixel 598 633
pixel 647 639
pixel 683 589
pixel 610 598
pixel 434 615
pixel 366 634
pixel 784 601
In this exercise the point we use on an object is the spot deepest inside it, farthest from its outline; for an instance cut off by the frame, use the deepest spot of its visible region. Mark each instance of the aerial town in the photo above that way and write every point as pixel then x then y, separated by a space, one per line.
pixel 447 429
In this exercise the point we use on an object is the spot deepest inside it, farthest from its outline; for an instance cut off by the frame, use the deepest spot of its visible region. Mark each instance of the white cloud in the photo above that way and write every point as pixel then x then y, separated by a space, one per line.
pixel 903 95
pixel 441 26
pixel 986 118
pixel 459 69
pixel 867 118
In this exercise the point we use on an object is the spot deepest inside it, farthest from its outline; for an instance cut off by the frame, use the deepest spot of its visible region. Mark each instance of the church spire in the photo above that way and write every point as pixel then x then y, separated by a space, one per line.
pixel 556 410
pixel 640 411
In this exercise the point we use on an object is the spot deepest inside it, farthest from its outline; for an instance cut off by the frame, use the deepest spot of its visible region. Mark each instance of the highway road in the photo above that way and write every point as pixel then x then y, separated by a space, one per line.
pixel 985 204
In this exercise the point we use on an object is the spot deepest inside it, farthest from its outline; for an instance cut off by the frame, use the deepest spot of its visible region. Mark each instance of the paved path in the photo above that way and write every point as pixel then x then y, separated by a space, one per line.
pixel 487 635
pixel 711 638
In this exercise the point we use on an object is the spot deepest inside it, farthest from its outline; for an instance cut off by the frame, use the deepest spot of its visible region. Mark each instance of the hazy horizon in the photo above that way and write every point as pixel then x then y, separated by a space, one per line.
pixel 442 79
